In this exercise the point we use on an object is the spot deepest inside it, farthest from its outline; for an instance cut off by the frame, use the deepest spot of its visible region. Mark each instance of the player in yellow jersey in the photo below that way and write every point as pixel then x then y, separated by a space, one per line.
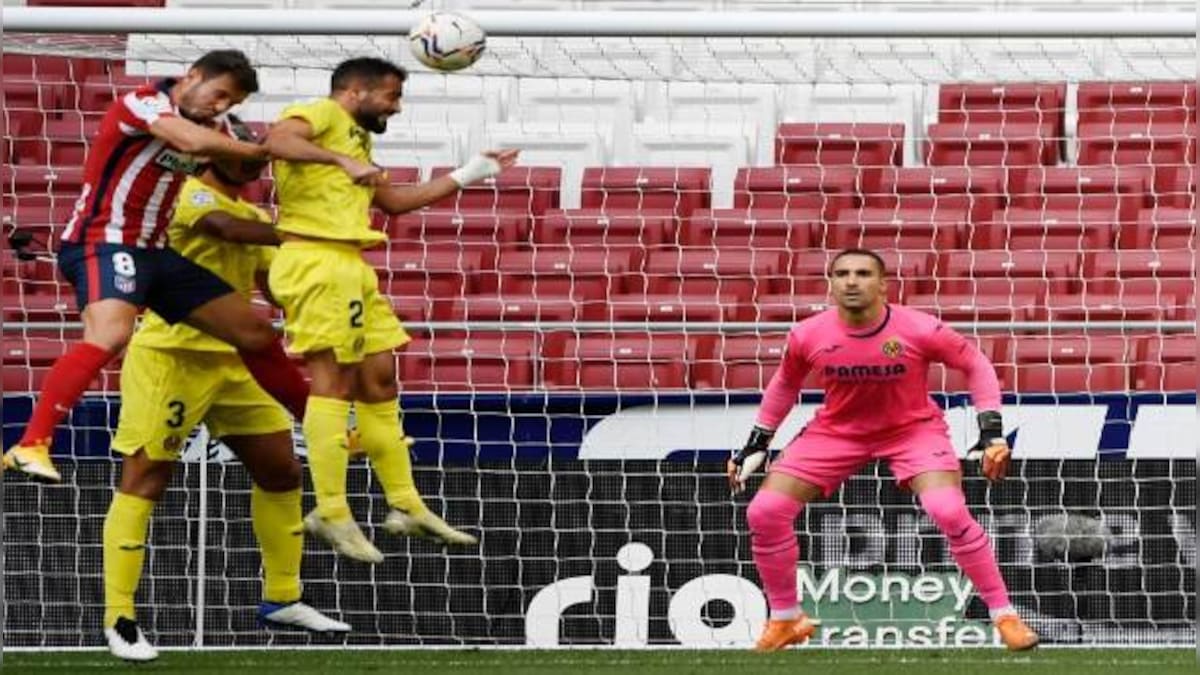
pixel 174 377
pixel 347 331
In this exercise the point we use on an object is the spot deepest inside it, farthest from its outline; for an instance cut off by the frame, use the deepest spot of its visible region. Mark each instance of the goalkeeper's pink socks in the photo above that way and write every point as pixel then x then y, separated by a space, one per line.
pixel 64 384
pixel 969 544
pixel 772 518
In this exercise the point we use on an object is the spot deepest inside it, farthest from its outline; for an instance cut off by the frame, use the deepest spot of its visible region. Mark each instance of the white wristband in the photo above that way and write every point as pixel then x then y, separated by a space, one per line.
pixel 476 169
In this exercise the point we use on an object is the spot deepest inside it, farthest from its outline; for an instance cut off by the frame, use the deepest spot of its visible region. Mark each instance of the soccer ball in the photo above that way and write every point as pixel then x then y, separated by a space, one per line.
pixel 445 41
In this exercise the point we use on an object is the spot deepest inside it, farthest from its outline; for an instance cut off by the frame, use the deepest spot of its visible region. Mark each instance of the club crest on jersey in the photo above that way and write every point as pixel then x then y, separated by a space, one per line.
pixel 179 162
pixel 892 348
pixel 125 284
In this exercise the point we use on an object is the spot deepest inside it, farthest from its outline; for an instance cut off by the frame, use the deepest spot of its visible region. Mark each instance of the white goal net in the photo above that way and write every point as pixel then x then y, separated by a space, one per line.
pixel 593 331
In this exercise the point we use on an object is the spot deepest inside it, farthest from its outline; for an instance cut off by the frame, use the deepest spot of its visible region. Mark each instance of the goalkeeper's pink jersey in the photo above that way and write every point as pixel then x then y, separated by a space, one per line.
pixel 875 377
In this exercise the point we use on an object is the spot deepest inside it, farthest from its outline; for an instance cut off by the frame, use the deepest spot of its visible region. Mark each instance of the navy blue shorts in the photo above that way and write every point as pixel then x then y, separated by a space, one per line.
pixel 158 278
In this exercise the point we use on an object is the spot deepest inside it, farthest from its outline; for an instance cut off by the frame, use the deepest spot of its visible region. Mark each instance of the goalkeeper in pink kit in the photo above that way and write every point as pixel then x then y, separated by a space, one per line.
pixel 872 359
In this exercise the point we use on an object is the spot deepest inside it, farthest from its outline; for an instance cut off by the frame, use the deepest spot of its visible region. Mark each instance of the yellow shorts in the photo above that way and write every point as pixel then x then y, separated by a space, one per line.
pixel 165 393
pixel 332 301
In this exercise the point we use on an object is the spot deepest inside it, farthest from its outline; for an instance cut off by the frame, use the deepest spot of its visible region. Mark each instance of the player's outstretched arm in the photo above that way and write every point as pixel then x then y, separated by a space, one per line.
pixel 951 348
pixel 291 139
pixel 227 227
pixel 396 199
pixel 195 139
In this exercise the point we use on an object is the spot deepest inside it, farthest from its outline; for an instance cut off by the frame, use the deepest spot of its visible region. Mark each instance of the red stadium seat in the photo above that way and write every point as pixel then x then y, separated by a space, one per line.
pixel 991 144
pixel 741 272
pixel 1137 144
pixel 616 362
pixel 1161 228
pixel 979 190
pixel 905 228
pixel 775 229
pixel 27 360
pixel 403 175
pixel 1136 102
pixel 41 96
pixel 1179 377
pixel 825 190
pixel 511 308
pixel 586 277
pixel 907 271
pixel 972 307
pixel 435 225
pixel 942 379
pixel 1121 191
pixel 61 142
pixel 1039 104
pixel 1175 186
pixel 1007 272
pixel 1109 307
pixel 41 185
pixel 680 190
pixel 642 228
pixel 668 307
pixel 1051 229
pixel 1140 271
pixel 790 307
pixel 519 189
pixel 98 91
pixel 1167 363
pixel 474 362
pixel 48 307
pixel 415 309
pixel 853 144
pixel 737 361
pixel 426 272
pixel 1076 363
pixel 46 222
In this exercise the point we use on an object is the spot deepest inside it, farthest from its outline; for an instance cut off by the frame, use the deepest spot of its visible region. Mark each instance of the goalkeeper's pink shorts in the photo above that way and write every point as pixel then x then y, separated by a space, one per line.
pixel 826 460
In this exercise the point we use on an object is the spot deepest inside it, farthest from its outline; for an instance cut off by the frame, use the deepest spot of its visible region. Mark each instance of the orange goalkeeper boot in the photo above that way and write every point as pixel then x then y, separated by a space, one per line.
pixel 782 633
pixel 33 461
pixel 1016 635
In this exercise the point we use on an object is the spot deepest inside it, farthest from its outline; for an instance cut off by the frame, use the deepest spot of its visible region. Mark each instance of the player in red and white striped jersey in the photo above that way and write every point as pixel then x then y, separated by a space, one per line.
pixel 114 250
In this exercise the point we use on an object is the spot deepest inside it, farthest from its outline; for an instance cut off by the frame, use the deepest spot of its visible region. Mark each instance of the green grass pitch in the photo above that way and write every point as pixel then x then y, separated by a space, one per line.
pixel 581 662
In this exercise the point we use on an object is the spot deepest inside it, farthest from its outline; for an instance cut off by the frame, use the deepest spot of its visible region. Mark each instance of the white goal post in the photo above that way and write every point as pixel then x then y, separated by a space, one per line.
pixel 595 477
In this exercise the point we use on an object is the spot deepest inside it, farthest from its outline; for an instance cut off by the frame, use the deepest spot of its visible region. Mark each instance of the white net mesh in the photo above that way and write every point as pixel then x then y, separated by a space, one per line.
pixel 592 332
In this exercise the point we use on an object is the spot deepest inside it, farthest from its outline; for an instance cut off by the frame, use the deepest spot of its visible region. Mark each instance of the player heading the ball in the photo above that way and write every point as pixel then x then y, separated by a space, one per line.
pixel 872 360
pixel 175 377
pixel 337 319
pixel 114 250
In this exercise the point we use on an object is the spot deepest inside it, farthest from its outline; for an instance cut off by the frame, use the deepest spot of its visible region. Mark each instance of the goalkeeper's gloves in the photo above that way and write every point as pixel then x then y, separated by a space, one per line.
pixel 477 168
pixel 749 459
pixel 992 446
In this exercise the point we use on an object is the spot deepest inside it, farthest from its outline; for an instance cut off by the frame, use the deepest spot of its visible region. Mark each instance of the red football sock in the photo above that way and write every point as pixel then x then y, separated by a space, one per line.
pixel 280 377
pixel 64 384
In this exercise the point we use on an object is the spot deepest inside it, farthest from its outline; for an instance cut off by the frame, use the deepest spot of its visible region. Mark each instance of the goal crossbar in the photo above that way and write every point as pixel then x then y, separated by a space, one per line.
pixel 606 24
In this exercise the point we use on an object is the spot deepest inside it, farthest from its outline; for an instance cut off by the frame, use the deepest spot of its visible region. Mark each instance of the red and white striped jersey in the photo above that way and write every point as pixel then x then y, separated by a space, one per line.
pixel 130 177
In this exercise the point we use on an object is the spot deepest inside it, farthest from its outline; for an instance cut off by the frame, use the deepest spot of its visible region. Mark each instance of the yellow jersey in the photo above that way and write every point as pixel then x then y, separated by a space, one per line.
pixel 235 263
pixel 320 200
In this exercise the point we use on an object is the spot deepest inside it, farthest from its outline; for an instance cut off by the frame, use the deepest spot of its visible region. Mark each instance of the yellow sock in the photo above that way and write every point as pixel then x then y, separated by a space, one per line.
pixel 325 425
pixel 125 529
pixel 382 438
pixel 276 520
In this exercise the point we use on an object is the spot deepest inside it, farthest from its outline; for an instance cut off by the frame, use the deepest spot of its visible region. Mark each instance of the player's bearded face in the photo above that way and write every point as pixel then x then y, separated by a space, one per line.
pixel 377 104
pixel 202 100
pixel 857 283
